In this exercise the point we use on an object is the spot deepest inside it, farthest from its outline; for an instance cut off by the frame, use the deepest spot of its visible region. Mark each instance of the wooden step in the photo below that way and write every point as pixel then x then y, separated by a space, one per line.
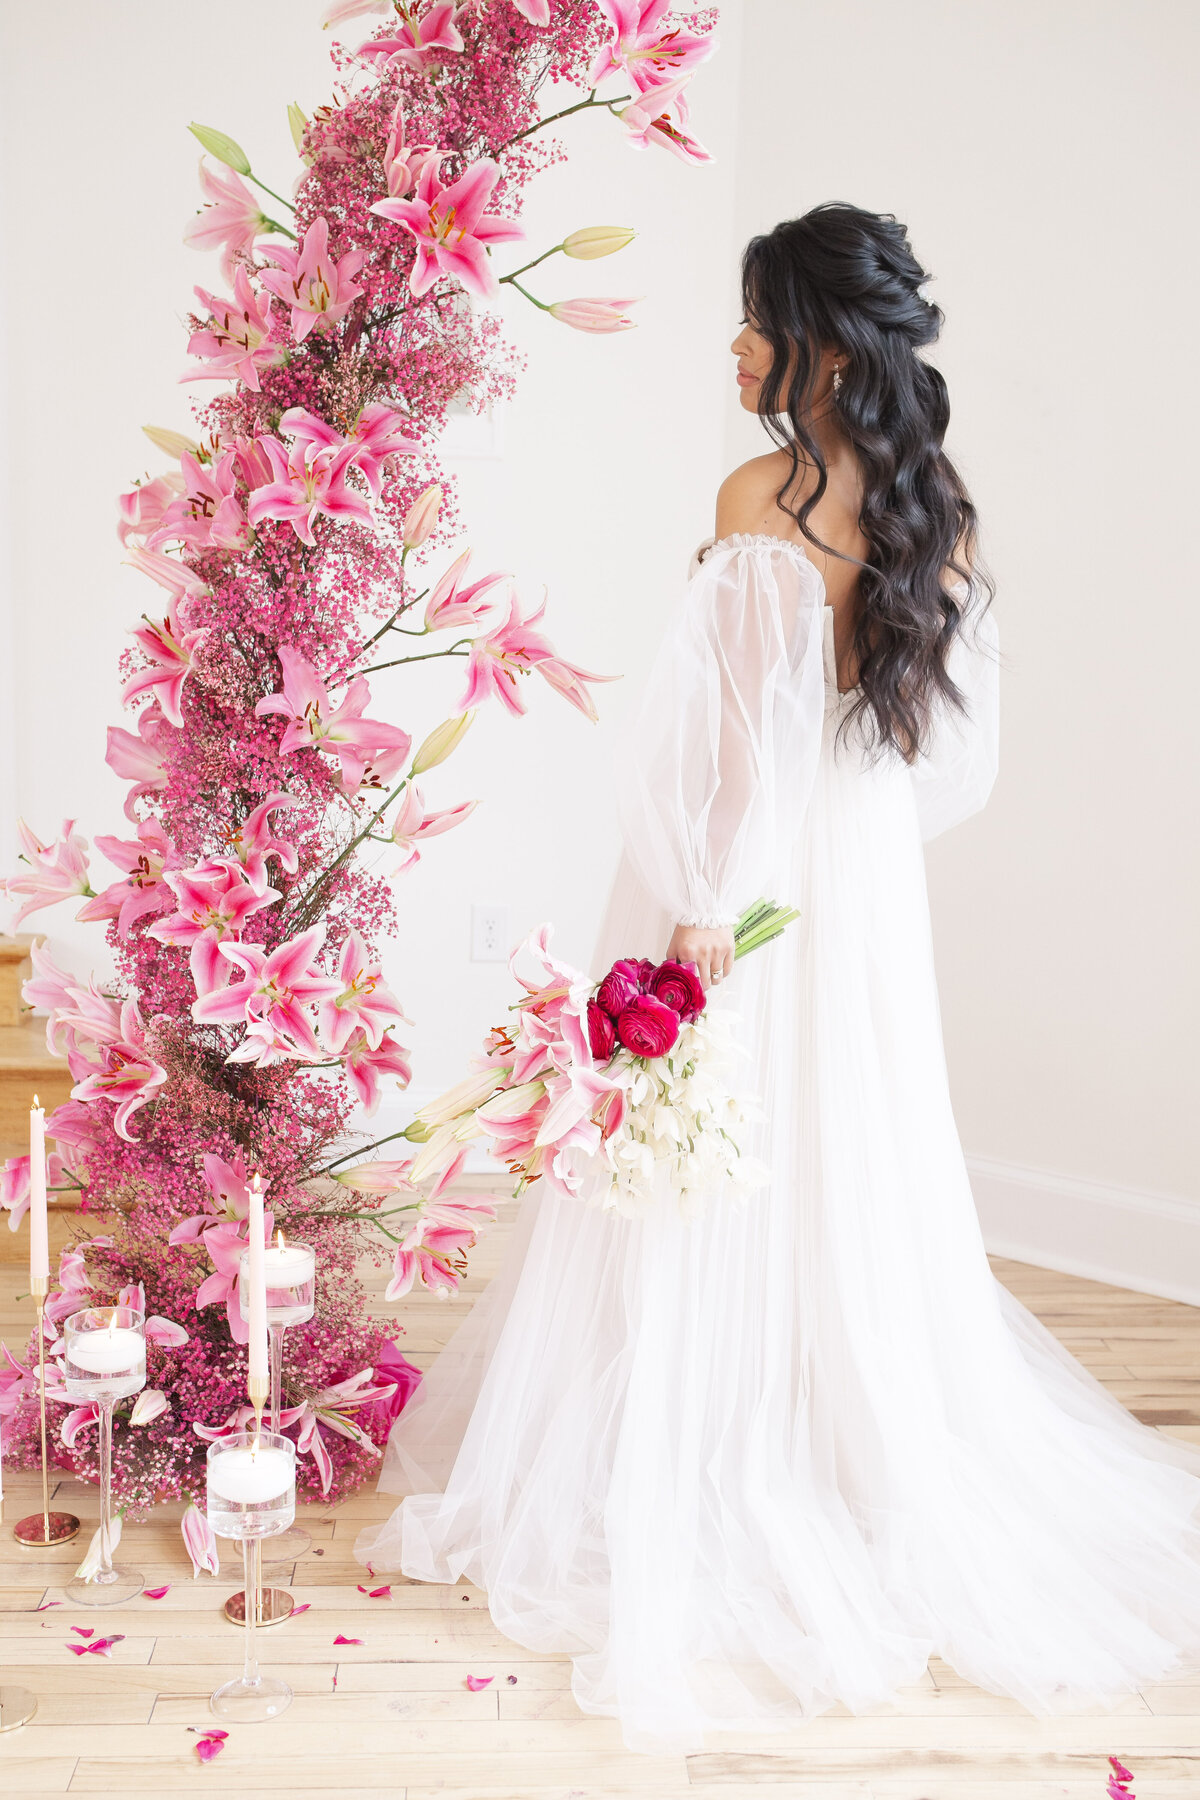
pixel 27 1068
pixel 15 968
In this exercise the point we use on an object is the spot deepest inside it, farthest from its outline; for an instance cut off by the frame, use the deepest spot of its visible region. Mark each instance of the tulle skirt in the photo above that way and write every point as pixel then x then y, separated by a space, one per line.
pixel 743 1467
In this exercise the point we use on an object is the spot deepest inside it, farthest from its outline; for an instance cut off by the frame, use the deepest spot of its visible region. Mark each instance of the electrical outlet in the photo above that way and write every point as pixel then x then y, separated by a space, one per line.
pixel 489 933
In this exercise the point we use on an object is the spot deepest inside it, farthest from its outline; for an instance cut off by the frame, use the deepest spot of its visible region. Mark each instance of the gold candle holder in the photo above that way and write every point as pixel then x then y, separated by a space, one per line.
pixel 40 1530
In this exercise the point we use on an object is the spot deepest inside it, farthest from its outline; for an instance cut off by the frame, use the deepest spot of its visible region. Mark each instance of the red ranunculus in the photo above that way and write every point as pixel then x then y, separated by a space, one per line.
pixel 678 985
pixel 618 988
pixel 645 973
pixel 602 1034
pixel 647 1026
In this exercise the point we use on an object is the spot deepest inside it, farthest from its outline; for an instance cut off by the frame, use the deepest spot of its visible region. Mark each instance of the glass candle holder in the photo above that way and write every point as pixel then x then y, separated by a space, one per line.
pixel 104 1360
pixel 251 1497
pixel 291 1280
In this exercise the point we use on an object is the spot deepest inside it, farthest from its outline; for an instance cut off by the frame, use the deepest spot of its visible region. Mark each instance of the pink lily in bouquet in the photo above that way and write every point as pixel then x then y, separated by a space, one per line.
pixel 142 889
pixel 56 870
pixel 208 514
pixel 168 571
pixel 314 722
pixel 142 508
pixel 122 1071
pixel 650 52
pixel 403 162
pixel 17 1383
pixel 236 340
pixel 365 1002
pixel 318 290
pixel 224 1244
pixel 451 604
pixel 648 121
pixel 273 1000
pixel 309 480
pixel 169 646
pixel 73 1282
pixel 423 38
pixel 510 650
pixel 377 433
pixel 451 228
pixel 229 1185
pixel 139 759
pixel 51 988
pixel 366 1066
pixel 411 823
pixel 254 841
pixel 432 1250
pixel 200 1542
pixel 229 220
pixel 213 902
pixel 15 1184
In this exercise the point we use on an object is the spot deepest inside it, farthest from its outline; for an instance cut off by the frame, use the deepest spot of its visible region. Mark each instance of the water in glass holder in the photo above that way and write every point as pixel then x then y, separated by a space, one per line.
pixel 291 1279
pixel 104 1360
pixel 251 1496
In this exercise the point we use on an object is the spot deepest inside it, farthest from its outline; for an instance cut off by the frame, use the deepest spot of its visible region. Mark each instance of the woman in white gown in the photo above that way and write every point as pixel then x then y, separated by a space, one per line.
pixel 743 1467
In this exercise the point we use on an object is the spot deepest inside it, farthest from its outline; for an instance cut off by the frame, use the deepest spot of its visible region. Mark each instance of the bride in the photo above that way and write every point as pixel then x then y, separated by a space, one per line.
pixel 744 1467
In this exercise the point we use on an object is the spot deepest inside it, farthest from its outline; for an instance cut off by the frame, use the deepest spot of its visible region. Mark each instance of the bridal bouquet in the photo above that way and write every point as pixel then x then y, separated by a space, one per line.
pixel 612 1092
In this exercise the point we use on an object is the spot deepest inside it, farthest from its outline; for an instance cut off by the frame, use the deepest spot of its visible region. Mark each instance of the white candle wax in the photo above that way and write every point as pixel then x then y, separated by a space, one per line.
pixel 247 1476
pixel 108 1352
pixel 289 1265
pixel 256 1312
pixel 39 1242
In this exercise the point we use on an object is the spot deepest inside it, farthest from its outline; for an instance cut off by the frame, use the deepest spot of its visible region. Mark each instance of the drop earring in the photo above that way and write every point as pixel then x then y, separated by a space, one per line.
pixel 837 381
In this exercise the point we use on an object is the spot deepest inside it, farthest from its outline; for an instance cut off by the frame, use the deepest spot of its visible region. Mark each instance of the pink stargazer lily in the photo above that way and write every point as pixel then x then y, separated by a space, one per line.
pixel 168 571
pixel 150 1404
pixel 213 902
pixel 77 1420
pixel 511 649
pixel 403 162
pixel 365 1002
pixel 423 38
pixel 15 1189
pixel 229 1185
pixel 200 1542
pixel 649 54
pixel 236 340
pixel 170 646
pixel 648 121
pixel 536 11
pixel 273 999
pixel 224 1244
pixel 123 1072
pixel 377 433
pixel 208 514
pixel 139 759
pixel 451 603
pixel 365 1067
pixel 338 11
pixel 318 290
pixel 142 508
pixel 431 1251
pixel 596 314
pixel 143 889
pixel 56 870
pixel 229 220
pixel 308 481
pixel 314 722
pixel 412 822
pixel 254 841
pixel 451 227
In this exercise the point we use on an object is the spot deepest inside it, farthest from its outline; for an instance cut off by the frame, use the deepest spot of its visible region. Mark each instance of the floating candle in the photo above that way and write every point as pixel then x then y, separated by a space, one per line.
pixel 113 1351
pixel 249 1477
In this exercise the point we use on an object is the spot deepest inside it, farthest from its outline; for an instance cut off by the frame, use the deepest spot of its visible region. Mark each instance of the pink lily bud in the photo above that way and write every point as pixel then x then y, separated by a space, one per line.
pixel 226 149
pixel 171 443
pixel 442 741
pixel 597 240
pixel 91 1559
pixel 421 517
pixel 200 1541
pixel 297 125
pixel 594 314
pixel 148 1405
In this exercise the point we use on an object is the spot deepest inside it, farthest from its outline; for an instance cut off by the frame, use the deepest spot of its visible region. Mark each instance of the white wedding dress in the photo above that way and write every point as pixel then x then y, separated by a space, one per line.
pixel 744 1467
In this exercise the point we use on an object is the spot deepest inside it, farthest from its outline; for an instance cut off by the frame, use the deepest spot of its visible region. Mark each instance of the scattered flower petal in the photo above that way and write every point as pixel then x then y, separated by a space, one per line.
pixel 157 1593
pixel 339 1639
pixel 475 1682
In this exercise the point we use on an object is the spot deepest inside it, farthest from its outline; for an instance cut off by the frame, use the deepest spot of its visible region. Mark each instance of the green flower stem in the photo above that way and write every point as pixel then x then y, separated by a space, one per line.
pixel 426 656
pixel 251 176
pixel 552 251
pixel 542 305
pixel 579 106
pixel 360 1150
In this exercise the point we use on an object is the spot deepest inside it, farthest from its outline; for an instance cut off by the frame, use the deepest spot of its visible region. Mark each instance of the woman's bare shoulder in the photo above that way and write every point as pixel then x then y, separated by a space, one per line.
pixel 746 499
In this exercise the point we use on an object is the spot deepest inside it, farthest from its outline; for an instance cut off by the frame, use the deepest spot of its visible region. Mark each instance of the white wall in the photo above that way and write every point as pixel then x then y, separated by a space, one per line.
pixel 1040 156
pixel 1044 158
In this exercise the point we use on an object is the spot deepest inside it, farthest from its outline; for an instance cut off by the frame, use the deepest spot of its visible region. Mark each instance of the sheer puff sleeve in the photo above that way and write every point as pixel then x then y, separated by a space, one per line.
pixel 724 752
pixel 954 775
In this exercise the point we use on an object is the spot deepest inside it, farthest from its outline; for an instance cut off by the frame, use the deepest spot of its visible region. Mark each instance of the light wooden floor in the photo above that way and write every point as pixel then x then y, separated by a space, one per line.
pixel 395 1717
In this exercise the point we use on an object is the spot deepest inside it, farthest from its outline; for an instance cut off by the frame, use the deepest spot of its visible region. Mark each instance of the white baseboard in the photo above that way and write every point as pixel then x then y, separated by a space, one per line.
pixel 1146 1241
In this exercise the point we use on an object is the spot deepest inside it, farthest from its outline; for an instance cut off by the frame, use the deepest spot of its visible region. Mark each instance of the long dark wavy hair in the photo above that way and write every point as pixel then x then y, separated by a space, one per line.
pixel 844 278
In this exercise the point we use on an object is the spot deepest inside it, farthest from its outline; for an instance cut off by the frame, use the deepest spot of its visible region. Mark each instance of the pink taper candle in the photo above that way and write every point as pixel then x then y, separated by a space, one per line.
pixel 257 1311
pixel 39 1240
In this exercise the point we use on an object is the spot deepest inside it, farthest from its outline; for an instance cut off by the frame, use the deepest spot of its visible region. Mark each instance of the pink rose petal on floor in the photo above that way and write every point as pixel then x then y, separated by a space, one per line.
pixel 46 1605
pixel 90 1630
pixel 339 1639
pixel 303 1607
pixel 158 1593
pixel 379 1593
pixel 1119 1769
pixel 475 1682
pixel 101 1647
pixel 210 1745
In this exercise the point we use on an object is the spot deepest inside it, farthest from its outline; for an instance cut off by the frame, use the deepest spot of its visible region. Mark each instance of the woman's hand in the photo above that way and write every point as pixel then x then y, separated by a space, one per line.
pixel 711 951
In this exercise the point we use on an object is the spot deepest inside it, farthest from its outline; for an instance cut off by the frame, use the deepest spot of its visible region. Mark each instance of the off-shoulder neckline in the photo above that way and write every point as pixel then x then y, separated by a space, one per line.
pixel 741 538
